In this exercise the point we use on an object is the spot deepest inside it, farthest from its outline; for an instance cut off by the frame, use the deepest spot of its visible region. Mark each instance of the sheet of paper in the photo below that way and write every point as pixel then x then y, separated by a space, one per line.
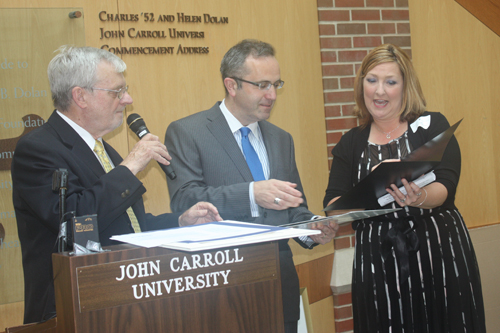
pixel 211 235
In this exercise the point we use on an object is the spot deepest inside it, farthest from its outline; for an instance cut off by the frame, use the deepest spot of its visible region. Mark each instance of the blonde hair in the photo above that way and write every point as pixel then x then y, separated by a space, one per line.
pixel 413 103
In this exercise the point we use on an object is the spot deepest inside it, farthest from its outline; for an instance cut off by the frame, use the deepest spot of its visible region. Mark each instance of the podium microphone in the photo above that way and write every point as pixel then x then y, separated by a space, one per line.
pixel 138 126
pixel 60 183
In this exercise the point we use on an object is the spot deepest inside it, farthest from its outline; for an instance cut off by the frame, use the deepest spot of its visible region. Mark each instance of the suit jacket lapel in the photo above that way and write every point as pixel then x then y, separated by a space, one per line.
pixel 272 148
pixel 75 143
pixel 217 125
pixel 112 153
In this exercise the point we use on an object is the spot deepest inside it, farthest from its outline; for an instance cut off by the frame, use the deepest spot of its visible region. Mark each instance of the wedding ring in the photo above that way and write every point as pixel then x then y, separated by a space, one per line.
pixel 277 201
pixel 419 194
pixel 403 200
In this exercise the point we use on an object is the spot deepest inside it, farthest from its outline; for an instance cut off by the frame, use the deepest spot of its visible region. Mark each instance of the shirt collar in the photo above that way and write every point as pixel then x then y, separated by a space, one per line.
pixel 234 124
pixel 86 136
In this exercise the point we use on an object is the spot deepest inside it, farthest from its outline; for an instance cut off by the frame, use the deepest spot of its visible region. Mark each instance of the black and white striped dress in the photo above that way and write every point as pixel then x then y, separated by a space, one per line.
pixel 414 270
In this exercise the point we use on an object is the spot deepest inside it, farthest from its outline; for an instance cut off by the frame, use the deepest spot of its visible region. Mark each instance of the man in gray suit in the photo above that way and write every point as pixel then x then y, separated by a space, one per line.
pixel 213 163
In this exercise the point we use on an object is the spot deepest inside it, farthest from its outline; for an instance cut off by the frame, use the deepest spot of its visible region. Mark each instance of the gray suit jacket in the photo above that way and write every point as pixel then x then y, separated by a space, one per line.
pixel 211 167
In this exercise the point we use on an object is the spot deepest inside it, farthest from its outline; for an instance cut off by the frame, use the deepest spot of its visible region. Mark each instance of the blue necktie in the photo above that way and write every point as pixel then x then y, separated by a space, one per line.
pixel 251 156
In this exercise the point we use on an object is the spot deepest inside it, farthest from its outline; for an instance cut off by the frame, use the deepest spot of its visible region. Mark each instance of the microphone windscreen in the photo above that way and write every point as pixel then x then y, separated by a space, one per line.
pixel 132 117
pixel 137 125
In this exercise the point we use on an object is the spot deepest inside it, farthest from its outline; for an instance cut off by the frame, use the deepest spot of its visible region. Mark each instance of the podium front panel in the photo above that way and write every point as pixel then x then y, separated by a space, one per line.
pixel 234 289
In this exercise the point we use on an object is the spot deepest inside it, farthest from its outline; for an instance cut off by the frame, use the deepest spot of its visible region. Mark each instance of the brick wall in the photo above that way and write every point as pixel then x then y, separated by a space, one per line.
pixel 342 305
pixel 348 30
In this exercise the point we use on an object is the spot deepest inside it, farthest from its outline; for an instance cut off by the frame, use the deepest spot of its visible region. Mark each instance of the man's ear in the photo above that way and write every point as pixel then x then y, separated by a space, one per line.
pixel 79 97
pixel 231 86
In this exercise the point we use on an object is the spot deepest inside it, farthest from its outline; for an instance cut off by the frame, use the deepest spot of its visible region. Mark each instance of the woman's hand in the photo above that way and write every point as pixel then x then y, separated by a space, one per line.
pixel 413 194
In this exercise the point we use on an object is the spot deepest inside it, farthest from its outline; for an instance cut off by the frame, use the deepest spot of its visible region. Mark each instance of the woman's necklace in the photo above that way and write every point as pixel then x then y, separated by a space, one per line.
pixel 387 134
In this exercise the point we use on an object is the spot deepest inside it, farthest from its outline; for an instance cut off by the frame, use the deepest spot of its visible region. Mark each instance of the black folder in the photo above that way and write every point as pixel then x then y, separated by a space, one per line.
pixel 366 193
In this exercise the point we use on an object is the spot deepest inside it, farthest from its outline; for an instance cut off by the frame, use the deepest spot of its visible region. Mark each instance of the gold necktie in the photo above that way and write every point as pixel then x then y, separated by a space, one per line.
pixel 99 149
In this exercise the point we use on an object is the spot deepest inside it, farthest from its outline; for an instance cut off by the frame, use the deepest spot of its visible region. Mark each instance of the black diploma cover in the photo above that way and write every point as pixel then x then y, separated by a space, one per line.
pixel 366 193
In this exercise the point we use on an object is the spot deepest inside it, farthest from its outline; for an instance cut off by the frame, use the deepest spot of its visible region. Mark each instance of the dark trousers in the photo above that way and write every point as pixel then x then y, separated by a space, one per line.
pixel 291 326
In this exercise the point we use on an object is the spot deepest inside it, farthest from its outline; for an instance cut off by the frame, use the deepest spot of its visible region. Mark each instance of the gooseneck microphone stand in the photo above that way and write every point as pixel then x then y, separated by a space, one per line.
pixel 59 183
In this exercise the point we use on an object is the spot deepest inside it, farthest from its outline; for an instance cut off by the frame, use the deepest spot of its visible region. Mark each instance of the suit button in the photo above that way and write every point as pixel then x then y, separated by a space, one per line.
pixel 265 214
pixel 125 194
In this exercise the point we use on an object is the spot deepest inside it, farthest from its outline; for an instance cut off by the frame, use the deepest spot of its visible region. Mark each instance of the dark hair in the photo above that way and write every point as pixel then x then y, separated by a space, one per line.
pixel 233 63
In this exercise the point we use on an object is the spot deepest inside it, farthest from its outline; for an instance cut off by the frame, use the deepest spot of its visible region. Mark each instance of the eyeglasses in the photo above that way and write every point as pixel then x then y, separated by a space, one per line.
pixel 264 85
pixel 119 93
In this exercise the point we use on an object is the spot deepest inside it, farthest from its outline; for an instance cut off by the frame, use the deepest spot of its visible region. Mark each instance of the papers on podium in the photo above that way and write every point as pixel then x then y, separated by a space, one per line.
pixel 212 235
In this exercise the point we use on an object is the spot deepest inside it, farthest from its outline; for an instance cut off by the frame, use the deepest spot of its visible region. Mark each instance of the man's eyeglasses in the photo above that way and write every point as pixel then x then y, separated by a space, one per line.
pixel 264 85
pixel 119 93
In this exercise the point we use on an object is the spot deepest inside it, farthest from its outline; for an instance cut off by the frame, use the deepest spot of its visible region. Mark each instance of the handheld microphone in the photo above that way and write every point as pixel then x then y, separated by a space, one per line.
pixel 138 126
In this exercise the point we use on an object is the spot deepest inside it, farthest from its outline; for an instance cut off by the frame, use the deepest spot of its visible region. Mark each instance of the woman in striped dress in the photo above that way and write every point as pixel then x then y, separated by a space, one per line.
pixel 414 270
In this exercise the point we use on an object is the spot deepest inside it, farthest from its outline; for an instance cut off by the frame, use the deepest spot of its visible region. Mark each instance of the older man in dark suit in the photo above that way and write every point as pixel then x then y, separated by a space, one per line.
pixel 232 157
pixel 90 94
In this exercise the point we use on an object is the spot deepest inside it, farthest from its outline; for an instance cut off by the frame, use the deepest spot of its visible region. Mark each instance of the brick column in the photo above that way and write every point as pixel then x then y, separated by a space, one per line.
pixel 348 30
pixel 341 278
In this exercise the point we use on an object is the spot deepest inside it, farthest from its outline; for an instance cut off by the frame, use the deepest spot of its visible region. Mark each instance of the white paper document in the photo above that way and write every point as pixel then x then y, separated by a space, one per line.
pixel 212 235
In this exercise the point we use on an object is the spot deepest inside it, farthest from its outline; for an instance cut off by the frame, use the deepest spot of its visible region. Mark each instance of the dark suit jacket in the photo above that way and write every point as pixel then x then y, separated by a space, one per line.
pixel 211 167
pixel 90 191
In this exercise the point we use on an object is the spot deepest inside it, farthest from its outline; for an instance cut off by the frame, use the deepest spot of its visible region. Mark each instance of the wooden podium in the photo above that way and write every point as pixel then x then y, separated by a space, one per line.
pixel 132 289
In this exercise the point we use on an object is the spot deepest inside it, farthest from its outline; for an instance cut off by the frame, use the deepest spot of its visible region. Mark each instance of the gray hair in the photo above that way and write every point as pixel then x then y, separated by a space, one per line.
pixel 233 63
pixel 77 67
